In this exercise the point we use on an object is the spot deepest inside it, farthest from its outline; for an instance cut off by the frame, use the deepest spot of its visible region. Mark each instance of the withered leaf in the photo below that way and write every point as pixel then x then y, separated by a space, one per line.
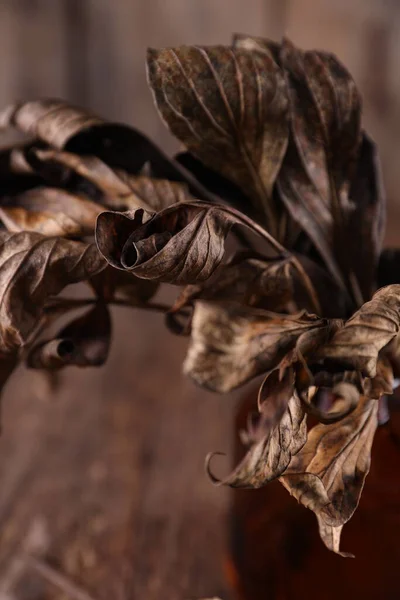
pixel 315 177
pixel 112 283
pixel 113 187
pixel 32 269
pixel 231 343
pixel 366 224
pixel 328 474
pixel 366 333
pixel 182 244
pixel 229 108
pixel 50 211
pixel 76 130
pixel 271 453
pixel 84 342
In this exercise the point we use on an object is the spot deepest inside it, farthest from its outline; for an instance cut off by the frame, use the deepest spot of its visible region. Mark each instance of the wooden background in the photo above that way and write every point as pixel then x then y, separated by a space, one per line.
pixel 106 480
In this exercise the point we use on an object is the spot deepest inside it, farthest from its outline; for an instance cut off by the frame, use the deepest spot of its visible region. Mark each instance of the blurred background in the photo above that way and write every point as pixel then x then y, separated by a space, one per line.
pixel 106 476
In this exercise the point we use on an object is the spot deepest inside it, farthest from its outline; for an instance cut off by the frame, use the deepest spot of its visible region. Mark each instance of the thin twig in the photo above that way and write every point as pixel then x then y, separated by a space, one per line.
pixel 57 579
pixel 72 303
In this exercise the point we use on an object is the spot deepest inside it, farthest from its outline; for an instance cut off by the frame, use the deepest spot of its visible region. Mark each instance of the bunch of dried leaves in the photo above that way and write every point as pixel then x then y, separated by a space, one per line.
pixel 275 151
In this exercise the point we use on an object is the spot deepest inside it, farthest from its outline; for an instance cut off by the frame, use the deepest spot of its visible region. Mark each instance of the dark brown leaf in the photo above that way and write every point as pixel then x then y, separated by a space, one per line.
pixel 32 269
pixel 230 343
pixel 328 474
pixel 315 177
pixel 85 342
pixel 229 107
pixel 366 225
pixel 370 329
pixel 271 453
pixel 50 211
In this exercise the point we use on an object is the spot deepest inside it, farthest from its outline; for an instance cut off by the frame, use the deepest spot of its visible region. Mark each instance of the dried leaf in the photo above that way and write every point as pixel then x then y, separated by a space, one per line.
pixel 230 343
pixel 270 455
pixel 357 345
pixel 229 107
pixel 182 244
pixel 113 187
pixel 50 211
pixel 366 225
pixel 328 474
pixel 32 269
pixel 75 130
pixel 85 342
pixel 112 283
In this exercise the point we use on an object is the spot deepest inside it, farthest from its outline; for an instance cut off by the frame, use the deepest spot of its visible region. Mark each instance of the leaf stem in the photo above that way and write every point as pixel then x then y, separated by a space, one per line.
pixel 245 220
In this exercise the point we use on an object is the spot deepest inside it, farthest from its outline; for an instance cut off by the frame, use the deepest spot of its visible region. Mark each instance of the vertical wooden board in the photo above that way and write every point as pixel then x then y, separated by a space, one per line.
pixel 39 45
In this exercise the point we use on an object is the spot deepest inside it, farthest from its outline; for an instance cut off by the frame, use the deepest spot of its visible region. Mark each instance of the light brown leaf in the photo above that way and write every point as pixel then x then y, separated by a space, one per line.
pixel 328 474
pixel 358 344
pixel 231 343
pixel 50 211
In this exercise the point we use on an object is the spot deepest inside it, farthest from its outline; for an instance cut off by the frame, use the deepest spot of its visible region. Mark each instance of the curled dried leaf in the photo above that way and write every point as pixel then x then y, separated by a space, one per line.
pixel 182 244
pixel 84 342
pixel 272 448
pixel 328 474
pixel 115 188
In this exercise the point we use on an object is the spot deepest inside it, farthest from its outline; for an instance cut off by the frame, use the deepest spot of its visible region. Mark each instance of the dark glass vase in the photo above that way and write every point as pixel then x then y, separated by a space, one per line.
pixel 276 553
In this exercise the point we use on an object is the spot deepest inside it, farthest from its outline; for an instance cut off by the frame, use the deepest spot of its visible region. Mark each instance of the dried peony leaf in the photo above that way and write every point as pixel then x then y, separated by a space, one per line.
pixel 366 225
pixel 32 269
pixel 84 342
pixel 76 130
pixel 315 178
pixel 182 244
pixel 113 187
pixel 328 474
pixel 229 107
pixel 50 211
pixel 231 343
pixel 272 450
pixel 112 283
pixel 370 329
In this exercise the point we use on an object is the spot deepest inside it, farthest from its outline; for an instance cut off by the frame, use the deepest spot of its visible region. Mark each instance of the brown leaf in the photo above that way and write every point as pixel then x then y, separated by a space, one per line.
pixel 76 130
pixel 181 244
pixel 271 453
pixel 229 107
pixel 50 211
pixel 32 269
pixel 84 342
pixel 230 343
pixel 366 225
pixel 248 279
pixel 113 187
pixel 112 283
pixel 315 179
pixel 357 345
pixel 328 474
